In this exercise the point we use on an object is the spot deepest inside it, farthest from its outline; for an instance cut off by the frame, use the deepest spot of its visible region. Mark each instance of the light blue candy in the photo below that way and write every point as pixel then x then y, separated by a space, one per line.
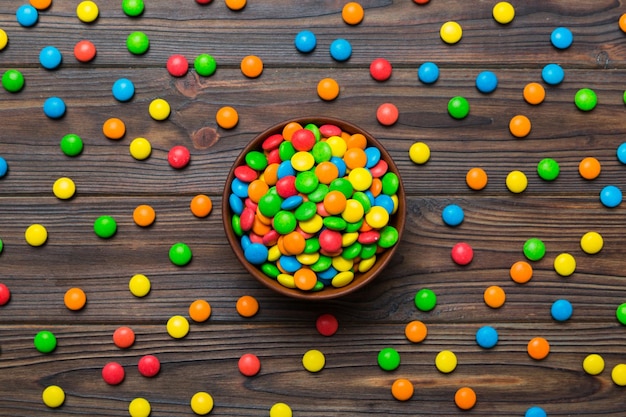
pixel 327 275
pixel 487 337
pixel 50 57
pixel 305 41
pixel 552 74
pixel 452 215
pixel 123 89
pixel 561 310
pixel 428 72
pixel 239 187
pixel 54 107
pixel 245 242
pixel 292 202
pixel 486 82
pixel 340 164
pixel 371 197
pixel 235 203
pixel 285 169
pixel 340 49
pixel 373 156
pixel 621 153
pixel 289 263
pixel 561 38
pixel 611 196
pixel 4 167
pixel 256 253
pixel 27 15
pixel 535 412
pixel 384 201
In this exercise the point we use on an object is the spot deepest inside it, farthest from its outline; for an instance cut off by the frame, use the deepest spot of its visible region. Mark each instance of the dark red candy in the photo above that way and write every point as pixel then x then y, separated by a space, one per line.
pixel 271 238
pixel 254 238
pixel 251 204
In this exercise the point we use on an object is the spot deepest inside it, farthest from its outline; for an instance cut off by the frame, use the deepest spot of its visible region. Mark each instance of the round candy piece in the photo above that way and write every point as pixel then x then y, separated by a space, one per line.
pixel 123 337
pixel 352 13
pixel 521 272
pixel 452 215
pixel 87 11
pixel 476 178
pixel 114 128
pixel 159 109
pixel 64 188
pixel 305 41
pixel 428 72
pixel 139 285
pixel 201 205
pixel 451 32
pixel 586 99
pixel 178 157
pixel 205 65
pixel 622 22
pixel 340 49
pixel 251 66
pixel 139 407
pixel 503 12
pixel 425 299
pixel 4 39
pixel 132 8
pixel 591 242
pixel 4 167
pixel 105 227
pixel 552 74
pixel 71 144
pixel 520 126
pixel 50 57
pixel 177 65
pixel 5 294
pixel 137 43
pixel 538 348
pixel 548 169
pixel 280 410
pixel 180 254
pixel 53 396
pixel 561 310
pixel 45 341
pixel 535 411
pixel 621 153
pixel 494 296
pixel 534 93
pixel 327 324
pixel 40 4
pixel 402 389
pixel 593 364
pixel 618 374
pixel 561 38
pixel 611 196
pixel 465 398
pixel 140 148
pixel 458 107
pixel 177 327
pixel 327 89
pixel 462 253
pixel 227 117
pixel 486 82
pixel 26 15
pixel 516 181
pixel 84 51
pixel 235 4
pixel 487 337
pixel 419 152
pixel 199 311
pixel 388 359
pixel 415 331
pixel 54 107
pixel 534 249
pixel 75 299
pixel 564 264
pixel 149 366
pixel 380 69
pixel 113 373
pixel 201 402
pixel 123 89
pixel 247 306
pixel 313 360
pixel 446 361
pixel 36 235
pixel 387 114
pixel 13 81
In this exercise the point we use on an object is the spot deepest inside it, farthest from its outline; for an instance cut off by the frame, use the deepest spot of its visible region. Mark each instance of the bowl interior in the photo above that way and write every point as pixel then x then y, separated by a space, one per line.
pixel 397 219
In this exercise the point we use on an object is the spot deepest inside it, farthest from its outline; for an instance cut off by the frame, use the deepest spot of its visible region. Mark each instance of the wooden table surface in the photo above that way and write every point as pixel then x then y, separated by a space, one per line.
pixel 497 222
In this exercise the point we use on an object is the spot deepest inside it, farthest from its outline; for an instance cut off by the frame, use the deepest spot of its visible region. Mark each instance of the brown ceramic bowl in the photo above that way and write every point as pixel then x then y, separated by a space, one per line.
pixel 361 279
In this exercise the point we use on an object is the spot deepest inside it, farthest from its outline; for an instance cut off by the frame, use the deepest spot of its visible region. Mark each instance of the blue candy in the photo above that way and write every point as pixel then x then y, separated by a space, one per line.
pixel 289 263
pixel 621 153
pixel 292 202
pixel 486 82
pixel 54 107
pixel 371 197
pixel 4 167
pixel 340 49
pixel 385 202
pixel 327 275
pixel 305 41
pixel 611 196
pixel 285 169
pixel 428 72
pixel 452 215
pixel 373 156
pixel 340 164
pixel 235 203
pixel 123 89
pixel 561 310
pixel 256 253
pixel 245 242
pixel 239 187
pixel 561 38
pixel 552 74
pixel 27 15
pixel 487 337
pixel 50 57
pixel 535 412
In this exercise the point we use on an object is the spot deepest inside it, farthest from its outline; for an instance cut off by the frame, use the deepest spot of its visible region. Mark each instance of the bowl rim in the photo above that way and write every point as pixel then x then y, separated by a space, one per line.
pixel 329 292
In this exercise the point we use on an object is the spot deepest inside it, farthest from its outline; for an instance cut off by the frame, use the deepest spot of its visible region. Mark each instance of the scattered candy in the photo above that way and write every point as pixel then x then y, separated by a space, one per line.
pixel 428 72
pixel 388 359
pixel 5 294
pixel 4 39
pixel 45 341
pixel 352 13
pixel 621 153
pixel 494 296
pixel 139 285
pixel 64 188
pixel 622 22
pixel 465 398
pixel 201 403
pixel 561 38
pixel 552 74
pixel 13 81
pixel 462 253
pixel 4 168
pixel 534 249
pixel 521 272
pixel 446 361
pixel 458 107
pixel 177 327
pixel 54 107
pixel 611 196
pixel 402 389
pixel 535 412
pixel 27 15
pixel 50 57
pixel 149 366
pixel 593 364
pixel 425 299
pixel 451 32
pixel 177 65
pixel 178 157
pixel 564 264
pixel 139 407
pixel 280 410
pixel 340 50
pixel 105 227
pixel 561 310
pixel 140 148
pixel 313 360
pixel 159 109
pixel 476 178
pixel 201 205
pixel 519 126
pixel 205 65
pixel 235 5
pixel 538 348
pixel 199 311
pixel 123 89
pixel 132 8
pixel 227 117
pixel 84 51
pixel 247 306
pixel 487 337
pixel 180 254
pixel 618 374
pixel 114 128
pixel 327 89
pixel 419 153
pixel 548 169
pixel 137 43
pixel 516 181
pixel 387 114
pixel 591 242
pixel 305 41
pixel 251 66
pixel 75 299
pixel 53 396
pixel 415 331
pixel 87 11
pixel 452 215
pixel 380 69
pixel 486 82
pixel 327 324
pixel 40 4
pixel 586 99
pixel 503 12
pixel 123 337
pixel 36 235
pixel 534 93
pixel 113 373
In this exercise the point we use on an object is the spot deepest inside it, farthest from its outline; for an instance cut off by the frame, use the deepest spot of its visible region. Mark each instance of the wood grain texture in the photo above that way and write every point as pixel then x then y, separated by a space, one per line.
pixel 497 222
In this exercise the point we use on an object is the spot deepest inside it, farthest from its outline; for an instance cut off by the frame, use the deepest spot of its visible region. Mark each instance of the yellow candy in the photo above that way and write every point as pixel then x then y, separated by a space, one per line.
pixel 419 153
pixel 313 225
pixel 159 109
pixel 451 32
pixel 591 242
pixel 360 178
pixel 503 12
pixel 140 148
pixel 36 235
pixel 353 212
pixel 87 11
pixel 64 188
pixel 313 360
pixel 446 361
pixel 342 264
pixel 53 396
pixel 377 217
pixel 302 161
pixel 342 279
pixel 4 39
pixel 286 280
pixel 308 258
pixel 618 374
pixel 396 203
pixel 273 253
pixel 565 264
pixel 177 327
pixel 280 410
pixel 349 238
pixel 516 181
pixel 367 264
pixel 139 407
pixel 139 285
pixel 593 364
pixel 338 146
pixel 201 403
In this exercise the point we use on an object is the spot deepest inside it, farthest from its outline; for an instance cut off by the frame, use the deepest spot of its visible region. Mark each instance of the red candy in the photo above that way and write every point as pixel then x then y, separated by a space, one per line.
pixel 330 130
pixel 330 240
pixel 327 324
pixel 379 169
pixel 123 337
pixel 286 186
pixel 5 294
pixel 369 237
pixel 177 65
pixel 245 173
pixel 303 140
pixel 273 157
pixel 270 238
pixel 84 51
pixel 272 142
pixel 387 114
pixel 249 364
pixel 380 69
pixel 149 366
pixel 462 253
pixel 246 219
pixel 113 373
pixel 178 157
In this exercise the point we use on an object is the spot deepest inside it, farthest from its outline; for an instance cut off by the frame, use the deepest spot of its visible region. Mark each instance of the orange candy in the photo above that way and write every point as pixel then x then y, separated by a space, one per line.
pixel 40 4
pixel 75 299
pixel 415 331
pixel 247 306
pixel 114 128
pixel 294 243
pixel 476 179
pixel 335 202
pixel 227 117
pixel 465 398
pixel 352 13
pixel 494 296
pixel 326 172
pixel 534 93
pixel 270 175
pixel 377 187
pixel 357 140
pixel 589 168
pixel 622 22
pixel 201 205
pixel 259 228
pixel 355 158
pixel 402 389
pixel 257 189
pixel 144 215
pixel 520 126
pixel 521 272
pixel 305 279
pixel 235 4
pixel 328 89
pixel 538 348
pixel 200 311
pixel 251 66
pixel 123 337
pixel 290 129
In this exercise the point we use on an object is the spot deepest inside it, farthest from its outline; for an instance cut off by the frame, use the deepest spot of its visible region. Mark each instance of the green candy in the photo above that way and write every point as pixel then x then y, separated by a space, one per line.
pixel 425 299
pixel 318 194
pixel 342 185
pixel 321 152
pixel 458 107
pixel 322 264
pixel 180 254
pixel 137 43
pixel 312 245
pixel 319 285
pixel 352 251
pixel 305 211
pixel 306 182
pixel 388 237
pixel 362 198
pixel 586 99
pixel 368 251
pixel 270 204
pixel 105 227
pixel 335 223
pixel 354 227
pixel 132 8
pixel 236 224
pixel 13 81
pixel 256 160
pixel 316 131
pixel 391 183
pixel 534 249
pixel 286 151
pixel 45 341
pixel 285 222
pixel 548 169
pixel 205 65
pixel 270 270
pixel 71 144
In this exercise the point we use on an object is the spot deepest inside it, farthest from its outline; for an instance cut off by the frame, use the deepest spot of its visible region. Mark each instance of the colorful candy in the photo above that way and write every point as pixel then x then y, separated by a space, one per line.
pixel 313 207
pixel 428 72
pixel 402 389
pixel 113 373
pixel 503 12
pixel 313 360
pixel 201 403
pixel 45 341
pixel 458 107
pixel 305 41
pixel 205 65
pixel 340 50
pixel 445 361
pixel 380 69
pixel 465 398
pixel 388 359
pixel 487 337
pixel 352 13
pixel 586 99
pixel 561 38
pixel 451 32
pixel 53 396
pixel 425 299
pixel 13 81
pixel 251 66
